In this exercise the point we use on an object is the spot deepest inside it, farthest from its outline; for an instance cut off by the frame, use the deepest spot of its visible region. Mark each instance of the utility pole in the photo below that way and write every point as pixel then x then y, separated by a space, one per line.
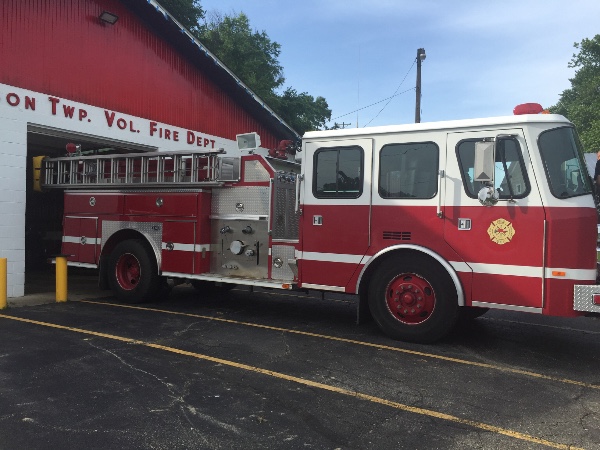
pixel 420 57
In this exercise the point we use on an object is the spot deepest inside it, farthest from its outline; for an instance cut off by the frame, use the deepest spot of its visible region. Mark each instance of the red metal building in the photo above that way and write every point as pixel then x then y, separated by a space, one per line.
pixel 140 83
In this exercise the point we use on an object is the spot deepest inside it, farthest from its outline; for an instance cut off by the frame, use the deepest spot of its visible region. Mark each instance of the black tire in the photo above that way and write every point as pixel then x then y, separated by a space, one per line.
pixel 413 299
pixel 132 272
pixel 210 287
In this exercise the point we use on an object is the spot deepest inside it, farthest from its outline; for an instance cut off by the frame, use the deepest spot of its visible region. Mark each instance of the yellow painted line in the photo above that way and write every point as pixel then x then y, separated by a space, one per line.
pixel 314 384
pixel 363 343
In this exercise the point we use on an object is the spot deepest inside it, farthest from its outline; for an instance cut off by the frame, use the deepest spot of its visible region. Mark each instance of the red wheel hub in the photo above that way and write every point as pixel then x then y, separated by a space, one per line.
pixel 410 298
pixel 128 271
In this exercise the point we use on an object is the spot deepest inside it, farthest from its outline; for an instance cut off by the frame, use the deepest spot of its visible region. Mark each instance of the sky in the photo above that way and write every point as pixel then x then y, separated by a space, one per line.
pixel 482 57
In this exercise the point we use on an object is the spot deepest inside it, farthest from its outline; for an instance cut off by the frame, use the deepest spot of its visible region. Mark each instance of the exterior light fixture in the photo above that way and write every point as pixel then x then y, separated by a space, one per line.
pixel 108 17
pixel 248 141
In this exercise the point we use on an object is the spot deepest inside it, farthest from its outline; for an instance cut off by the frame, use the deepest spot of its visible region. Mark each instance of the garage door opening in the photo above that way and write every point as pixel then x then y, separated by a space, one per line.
pixel 44 210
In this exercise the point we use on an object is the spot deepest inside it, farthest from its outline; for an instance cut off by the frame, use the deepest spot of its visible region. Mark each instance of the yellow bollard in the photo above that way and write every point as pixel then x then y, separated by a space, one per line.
pixel 3 283
pixel 61 279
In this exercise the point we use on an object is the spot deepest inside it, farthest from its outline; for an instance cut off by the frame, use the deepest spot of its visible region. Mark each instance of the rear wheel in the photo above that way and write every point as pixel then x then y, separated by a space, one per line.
pixel 132 272
pixel 413 299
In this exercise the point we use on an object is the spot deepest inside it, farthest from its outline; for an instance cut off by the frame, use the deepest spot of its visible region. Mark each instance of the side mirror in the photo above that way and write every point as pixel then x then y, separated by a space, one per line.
pixel 488 196
pixel 484 164
pixel 483 171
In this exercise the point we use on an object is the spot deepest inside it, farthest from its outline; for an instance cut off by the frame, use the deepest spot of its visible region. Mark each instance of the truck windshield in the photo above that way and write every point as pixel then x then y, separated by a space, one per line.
pixel 563 161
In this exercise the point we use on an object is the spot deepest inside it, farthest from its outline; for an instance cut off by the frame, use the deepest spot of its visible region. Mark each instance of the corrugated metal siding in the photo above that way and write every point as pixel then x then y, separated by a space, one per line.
pixel 61 48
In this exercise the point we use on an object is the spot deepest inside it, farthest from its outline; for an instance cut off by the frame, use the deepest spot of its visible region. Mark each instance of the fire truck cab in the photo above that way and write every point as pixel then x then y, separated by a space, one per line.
pixel 423 222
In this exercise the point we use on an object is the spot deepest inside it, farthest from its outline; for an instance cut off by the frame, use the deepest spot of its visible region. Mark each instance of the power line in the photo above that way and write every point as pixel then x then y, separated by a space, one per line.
pixel 373 104
pixel 384 106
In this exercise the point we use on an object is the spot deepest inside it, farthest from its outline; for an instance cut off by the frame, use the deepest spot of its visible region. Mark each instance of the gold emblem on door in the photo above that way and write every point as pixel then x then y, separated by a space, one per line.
pixel 501 231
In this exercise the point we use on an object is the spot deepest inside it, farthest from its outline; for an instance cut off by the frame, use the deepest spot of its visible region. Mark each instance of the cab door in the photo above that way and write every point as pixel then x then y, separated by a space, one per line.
pixel 501 246
pixel 336 204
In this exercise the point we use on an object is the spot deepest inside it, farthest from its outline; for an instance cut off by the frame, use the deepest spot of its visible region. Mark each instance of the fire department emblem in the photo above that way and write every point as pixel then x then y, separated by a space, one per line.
pixel 501 231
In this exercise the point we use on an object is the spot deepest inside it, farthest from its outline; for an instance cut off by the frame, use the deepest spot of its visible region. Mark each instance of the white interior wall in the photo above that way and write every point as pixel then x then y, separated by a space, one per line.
pixel 13 162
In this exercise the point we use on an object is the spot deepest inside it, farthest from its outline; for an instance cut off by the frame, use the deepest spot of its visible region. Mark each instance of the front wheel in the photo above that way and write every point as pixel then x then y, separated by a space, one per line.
pixel 132 272
pixel 413 299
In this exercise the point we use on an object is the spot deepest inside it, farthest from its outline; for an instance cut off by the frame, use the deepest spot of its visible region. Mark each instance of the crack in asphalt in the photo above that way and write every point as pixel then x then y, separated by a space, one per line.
pixel 177 398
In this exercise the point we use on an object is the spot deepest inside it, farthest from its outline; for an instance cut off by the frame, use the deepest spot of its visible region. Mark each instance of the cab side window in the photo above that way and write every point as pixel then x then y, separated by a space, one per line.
pixel 510 176
pixel 408 170
pixel 564 164
pixel 338 172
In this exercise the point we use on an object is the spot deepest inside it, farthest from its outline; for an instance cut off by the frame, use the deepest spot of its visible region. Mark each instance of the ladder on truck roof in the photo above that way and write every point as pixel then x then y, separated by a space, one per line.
pixel 143 170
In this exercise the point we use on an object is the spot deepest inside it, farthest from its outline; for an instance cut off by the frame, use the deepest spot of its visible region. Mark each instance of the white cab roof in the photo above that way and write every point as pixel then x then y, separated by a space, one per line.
pixel 453 125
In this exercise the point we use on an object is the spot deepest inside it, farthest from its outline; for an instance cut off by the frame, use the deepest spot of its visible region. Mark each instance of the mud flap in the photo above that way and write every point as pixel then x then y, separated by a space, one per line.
pixel 363 313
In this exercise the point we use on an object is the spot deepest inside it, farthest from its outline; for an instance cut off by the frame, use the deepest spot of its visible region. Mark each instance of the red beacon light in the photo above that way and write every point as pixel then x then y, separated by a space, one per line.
pixel 282 150
pixel 528 108
pixel 72 149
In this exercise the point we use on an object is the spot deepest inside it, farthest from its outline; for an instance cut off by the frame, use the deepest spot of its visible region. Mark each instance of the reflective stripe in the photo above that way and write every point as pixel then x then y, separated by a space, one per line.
pixel 492 269
pixel 77 240
pixel 572 274
pixel 505 269
pixel 331 257
pixel 460 266
pixel 179 246
pixel 524 271
pixel 187 247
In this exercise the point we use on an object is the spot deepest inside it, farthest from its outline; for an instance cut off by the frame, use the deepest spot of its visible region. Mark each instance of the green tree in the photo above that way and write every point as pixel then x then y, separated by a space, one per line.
pixel 253 57
pixel 303 112
pixel 250 54
pixel 187 12
pixel 581 103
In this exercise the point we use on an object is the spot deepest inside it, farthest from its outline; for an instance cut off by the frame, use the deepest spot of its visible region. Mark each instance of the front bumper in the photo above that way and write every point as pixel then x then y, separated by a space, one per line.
pixel 587 298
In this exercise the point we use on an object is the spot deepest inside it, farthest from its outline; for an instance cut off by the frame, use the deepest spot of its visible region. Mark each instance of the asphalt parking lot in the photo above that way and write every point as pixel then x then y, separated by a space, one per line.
pixel 288 370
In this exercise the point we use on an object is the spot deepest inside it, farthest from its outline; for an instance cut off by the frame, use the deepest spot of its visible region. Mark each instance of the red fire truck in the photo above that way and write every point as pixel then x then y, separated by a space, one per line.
pixel 423 222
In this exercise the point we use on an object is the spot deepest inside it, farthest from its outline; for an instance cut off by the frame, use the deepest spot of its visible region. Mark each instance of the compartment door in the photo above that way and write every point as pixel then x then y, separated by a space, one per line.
pixel 178 246
pixel 80 239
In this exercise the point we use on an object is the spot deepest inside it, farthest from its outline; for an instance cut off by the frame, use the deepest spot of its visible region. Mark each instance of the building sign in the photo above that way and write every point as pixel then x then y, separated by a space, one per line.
pixel 43 109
